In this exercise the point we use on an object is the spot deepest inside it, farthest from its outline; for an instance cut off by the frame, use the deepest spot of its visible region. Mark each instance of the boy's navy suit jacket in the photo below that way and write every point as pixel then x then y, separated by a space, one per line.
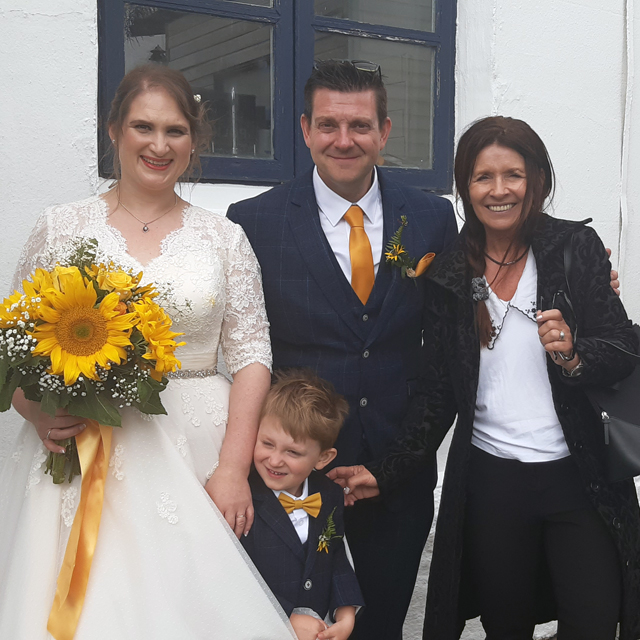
pixel 300 575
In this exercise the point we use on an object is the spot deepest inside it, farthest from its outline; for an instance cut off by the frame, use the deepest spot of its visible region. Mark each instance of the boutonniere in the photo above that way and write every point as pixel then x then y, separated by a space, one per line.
pixel 328 534
pixel 397 256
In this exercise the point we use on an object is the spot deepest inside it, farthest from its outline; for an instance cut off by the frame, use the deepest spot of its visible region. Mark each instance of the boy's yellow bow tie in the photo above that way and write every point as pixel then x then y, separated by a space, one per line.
pixel 311 504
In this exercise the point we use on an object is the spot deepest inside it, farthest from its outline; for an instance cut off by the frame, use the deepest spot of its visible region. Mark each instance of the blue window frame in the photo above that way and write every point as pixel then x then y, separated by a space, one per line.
pixel 255 84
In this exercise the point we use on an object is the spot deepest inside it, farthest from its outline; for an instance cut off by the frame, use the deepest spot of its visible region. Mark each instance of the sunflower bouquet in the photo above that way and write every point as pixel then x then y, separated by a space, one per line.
pixel 85 337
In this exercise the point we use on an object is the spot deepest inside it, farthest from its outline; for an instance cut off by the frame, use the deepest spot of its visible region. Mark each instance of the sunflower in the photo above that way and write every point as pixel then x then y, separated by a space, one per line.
pixel 76 334
pixel 155 326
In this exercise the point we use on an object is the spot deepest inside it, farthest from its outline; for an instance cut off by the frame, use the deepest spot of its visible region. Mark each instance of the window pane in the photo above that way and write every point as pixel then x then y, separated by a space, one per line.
pixel 255 3
pixel 228 63
pixel 407 14
pixel 407 71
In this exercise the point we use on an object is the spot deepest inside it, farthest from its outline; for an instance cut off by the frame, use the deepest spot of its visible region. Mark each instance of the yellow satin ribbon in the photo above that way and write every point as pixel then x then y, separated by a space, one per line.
pixel 311 504
pixel 424 262
pixel 94 446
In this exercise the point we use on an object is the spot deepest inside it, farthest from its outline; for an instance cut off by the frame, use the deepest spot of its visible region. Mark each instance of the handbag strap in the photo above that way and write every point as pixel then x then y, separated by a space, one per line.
pixel 568 266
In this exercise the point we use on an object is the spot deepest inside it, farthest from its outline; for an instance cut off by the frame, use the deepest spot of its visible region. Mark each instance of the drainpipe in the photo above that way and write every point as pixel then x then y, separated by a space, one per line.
pixel 626 135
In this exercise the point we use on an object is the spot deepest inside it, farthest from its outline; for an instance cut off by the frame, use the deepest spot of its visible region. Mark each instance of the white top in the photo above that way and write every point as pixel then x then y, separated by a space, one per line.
pixel 299 517
pixel 515 417
pixel 332 207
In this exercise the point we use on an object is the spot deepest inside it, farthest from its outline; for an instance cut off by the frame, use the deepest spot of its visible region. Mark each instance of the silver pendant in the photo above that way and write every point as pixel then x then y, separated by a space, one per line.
pixel 145 228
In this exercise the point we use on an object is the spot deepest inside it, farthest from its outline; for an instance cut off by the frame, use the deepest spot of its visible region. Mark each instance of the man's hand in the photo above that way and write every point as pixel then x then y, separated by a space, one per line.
pixel 615 282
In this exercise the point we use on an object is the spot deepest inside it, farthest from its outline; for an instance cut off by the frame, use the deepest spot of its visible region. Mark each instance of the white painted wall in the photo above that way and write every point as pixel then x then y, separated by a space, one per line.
pixel 559 64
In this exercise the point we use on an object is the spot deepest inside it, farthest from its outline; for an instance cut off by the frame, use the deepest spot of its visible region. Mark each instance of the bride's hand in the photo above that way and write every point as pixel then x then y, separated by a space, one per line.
pixel 232 495
pixel 49 428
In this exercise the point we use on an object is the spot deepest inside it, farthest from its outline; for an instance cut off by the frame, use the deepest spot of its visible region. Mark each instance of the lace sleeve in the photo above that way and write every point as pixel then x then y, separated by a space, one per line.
pixel 35 253
pixel 245 328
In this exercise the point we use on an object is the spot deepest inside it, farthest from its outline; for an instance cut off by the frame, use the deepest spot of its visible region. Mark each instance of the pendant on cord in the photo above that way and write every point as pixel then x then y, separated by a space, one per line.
pixel 145 228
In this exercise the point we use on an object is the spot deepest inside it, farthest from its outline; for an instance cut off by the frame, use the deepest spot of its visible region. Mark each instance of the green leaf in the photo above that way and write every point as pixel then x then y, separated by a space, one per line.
pixel 4 365
pixel 94 407
pixel 51 401
pixel 148 386
pixel 31 391
pixel 145 389
pixel 152 405
pixel 8 388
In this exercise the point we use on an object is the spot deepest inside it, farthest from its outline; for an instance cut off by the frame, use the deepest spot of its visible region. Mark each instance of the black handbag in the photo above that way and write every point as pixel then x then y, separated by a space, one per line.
pixel 617 406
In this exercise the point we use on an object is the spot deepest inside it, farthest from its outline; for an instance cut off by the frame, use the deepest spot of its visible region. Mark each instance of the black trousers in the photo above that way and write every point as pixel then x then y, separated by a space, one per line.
pixel 522 515
pixel 387 546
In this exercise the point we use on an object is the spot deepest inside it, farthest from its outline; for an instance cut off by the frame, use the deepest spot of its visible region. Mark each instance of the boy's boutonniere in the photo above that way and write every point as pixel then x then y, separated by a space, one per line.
pixel 328 534
pixel 397 255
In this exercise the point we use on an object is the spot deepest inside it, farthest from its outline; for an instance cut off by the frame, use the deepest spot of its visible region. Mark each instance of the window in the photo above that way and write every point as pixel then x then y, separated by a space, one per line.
pixel 249 59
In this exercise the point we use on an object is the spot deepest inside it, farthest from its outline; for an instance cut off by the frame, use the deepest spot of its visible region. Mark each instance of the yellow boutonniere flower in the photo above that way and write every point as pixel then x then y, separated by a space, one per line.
pixel 397 255
pixel 328 534
pixel 395 252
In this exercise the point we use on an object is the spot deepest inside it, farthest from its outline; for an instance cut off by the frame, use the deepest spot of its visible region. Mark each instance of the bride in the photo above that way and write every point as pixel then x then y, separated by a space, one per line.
pixel 166 565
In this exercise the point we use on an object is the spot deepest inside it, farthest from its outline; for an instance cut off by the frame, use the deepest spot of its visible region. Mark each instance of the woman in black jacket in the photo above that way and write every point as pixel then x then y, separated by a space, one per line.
pixel 529 529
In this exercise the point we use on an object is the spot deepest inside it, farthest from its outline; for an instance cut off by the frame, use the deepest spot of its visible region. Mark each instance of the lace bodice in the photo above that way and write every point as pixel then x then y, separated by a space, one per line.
pixel 206 269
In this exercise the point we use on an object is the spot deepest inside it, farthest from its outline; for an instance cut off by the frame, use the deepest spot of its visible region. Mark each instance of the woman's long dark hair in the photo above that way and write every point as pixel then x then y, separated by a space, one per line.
pixel 519 136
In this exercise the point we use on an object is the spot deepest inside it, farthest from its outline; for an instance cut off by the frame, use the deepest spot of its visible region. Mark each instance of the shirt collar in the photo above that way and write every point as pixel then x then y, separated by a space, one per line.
pixel 302 496
pixel 334 206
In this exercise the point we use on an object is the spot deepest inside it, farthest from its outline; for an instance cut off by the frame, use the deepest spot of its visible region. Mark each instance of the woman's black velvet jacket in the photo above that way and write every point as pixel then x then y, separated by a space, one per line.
pixel 448 389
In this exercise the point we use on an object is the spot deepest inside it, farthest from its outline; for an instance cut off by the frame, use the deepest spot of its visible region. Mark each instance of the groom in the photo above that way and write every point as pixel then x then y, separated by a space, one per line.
pixel 335 305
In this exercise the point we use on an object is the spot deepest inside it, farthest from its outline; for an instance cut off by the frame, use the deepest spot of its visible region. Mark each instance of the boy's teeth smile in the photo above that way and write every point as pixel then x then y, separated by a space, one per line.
pixel 500 207
pixel 276 473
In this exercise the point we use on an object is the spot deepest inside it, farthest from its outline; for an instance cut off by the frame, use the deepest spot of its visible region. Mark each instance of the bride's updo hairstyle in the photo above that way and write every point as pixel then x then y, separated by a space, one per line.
pixel 156 76
pixel 519 136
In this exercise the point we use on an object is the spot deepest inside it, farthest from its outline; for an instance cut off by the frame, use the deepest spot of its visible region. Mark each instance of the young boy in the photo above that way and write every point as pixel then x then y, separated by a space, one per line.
pixel 298 548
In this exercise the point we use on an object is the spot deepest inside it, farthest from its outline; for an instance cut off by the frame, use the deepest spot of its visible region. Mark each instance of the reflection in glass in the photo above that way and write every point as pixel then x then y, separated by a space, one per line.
pixel 408 74
pixel 406 14
pixel 228 63
pixel 255 3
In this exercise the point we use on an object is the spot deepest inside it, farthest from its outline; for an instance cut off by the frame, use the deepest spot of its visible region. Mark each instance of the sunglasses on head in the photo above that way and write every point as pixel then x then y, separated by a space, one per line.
pixel 360 65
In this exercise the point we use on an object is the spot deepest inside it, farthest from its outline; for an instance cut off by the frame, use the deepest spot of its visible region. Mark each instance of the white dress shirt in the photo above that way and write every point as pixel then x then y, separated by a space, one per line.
pixel 332 207
pixel 299 517
pixel 515 416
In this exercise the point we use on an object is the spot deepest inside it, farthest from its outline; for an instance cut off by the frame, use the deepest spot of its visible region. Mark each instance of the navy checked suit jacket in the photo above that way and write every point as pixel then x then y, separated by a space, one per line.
pixel 369 352
pixel 299 576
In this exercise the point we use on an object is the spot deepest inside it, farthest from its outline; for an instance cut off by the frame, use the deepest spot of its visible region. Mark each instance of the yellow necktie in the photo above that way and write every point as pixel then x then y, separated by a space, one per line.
pixel 362 273
pixel 311 504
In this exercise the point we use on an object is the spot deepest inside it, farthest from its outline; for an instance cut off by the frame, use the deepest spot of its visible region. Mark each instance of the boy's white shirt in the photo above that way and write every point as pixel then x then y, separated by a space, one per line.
pixel 299 517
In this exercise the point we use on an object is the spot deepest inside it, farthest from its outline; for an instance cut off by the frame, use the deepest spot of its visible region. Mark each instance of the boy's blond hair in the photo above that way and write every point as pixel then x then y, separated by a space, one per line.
pixel 307 406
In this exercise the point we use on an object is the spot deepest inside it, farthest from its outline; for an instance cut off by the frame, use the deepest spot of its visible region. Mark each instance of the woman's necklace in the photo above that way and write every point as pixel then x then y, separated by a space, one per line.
pixel 507 264
pixel 145 225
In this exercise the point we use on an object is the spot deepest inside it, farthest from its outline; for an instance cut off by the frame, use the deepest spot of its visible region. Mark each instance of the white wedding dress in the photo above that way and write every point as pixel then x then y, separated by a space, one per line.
pixel 166 564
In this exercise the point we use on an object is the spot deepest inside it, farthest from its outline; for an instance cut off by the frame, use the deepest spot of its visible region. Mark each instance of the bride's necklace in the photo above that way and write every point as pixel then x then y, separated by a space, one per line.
pixel 145 225
pixel 507 264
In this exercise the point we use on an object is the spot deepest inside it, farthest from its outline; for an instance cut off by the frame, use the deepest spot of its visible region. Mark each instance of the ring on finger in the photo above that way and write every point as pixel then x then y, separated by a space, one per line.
pixel 49 434
pixel 240 515
pixel 561 335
